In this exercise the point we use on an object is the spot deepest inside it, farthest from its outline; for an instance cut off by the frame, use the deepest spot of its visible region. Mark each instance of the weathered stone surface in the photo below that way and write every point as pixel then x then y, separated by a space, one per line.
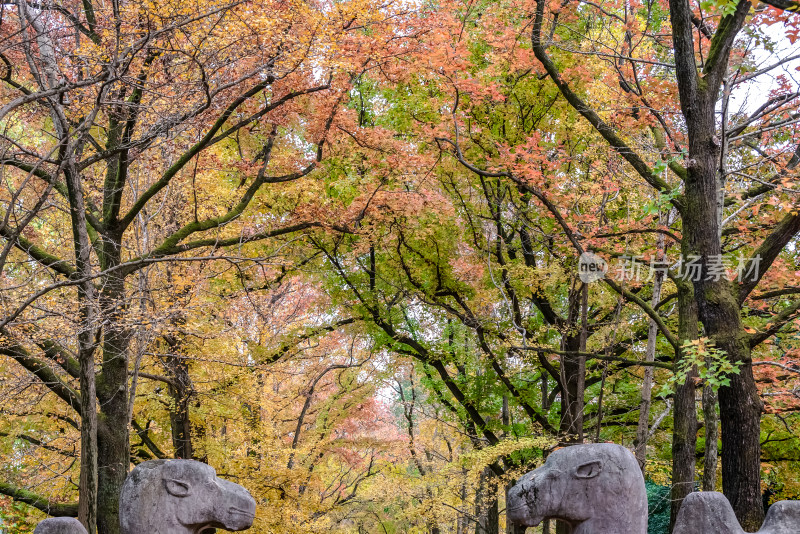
pixel 709 512
pixel 60 525
pixel 783 517
pixel 182 497
pixel 597 488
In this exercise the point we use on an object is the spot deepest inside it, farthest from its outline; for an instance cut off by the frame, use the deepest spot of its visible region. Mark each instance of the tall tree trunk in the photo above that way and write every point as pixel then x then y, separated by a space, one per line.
pixel 710 398
pixel 717 298
pixel 112 392
pixel 719 310
pixel 740 409
pixel 480 502
pixel 573 368
pixel 643 427
pixel 486 506
pixel 710 422
pixel 684 430
pixel 181 392
pixel 493 514
pixel 580 390
pixel 462 521
pixel 571 421
pixel 88 484
pixel 70 147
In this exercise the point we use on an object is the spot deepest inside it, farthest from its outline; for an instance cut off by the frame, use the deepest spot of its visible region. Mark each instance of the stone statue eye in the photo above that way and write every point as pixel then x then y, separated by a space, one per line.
pixel 589 469
pixel 176 488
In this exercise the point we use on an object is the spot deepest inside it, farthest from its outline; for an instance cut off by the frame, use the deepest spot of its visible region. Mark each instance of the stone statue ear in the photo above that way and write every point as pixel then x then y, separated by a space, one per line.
pixel 589 469
pixel 176 488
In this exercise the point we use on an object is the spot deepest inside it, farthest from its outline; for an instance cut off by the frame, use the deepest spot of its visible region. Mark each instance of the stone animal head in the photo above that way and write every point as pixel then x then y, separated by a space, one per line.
pixel 60 525
pixel 597 488
pixel 710 512
pixel 783 517
pixel 182 497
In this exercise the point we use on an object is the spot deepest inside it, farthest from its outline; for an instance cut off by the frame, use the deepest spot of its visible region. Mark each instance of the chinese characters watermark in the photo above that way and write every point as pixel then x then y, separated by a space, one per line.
pixel 693 268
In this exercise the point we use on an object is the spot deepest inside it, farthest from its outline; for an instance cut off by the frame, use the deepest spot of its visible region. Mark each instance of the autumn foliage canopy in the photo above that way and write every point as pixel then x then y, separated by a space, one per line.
pixel 335 248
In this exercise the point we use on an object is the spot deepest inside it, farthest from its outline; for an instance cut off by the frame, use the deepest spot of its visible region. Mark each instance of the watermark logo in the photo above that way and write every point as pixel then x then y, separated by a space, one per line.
pixel 591 267
pixel 694 268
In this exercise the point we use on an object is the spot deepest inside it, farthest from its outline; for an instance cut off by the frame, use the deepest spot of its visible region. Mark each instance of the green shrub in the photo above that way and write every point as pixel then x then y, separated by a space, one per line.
pixel 657 508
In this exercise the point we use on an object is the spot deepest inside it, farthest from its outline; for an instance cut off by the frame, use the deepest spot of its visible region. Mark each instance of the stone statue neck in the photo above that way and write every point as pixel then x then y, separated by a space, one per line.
pixel 602 526
pixel 161 526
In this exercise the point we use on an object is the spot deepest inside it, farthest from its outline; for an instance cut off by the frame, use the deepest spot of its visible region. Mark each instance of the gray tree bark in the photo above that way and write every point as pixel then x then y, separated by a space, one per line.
pixel 642 429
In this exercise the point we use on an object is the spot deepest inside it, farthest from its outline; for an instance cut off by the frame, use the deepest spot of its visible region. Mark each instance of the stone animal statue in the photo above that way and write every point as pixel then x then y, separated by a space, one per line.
pixel 596 488
pixel 709 512
pixel 172 497
pixel 182 497
pixel 60 525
